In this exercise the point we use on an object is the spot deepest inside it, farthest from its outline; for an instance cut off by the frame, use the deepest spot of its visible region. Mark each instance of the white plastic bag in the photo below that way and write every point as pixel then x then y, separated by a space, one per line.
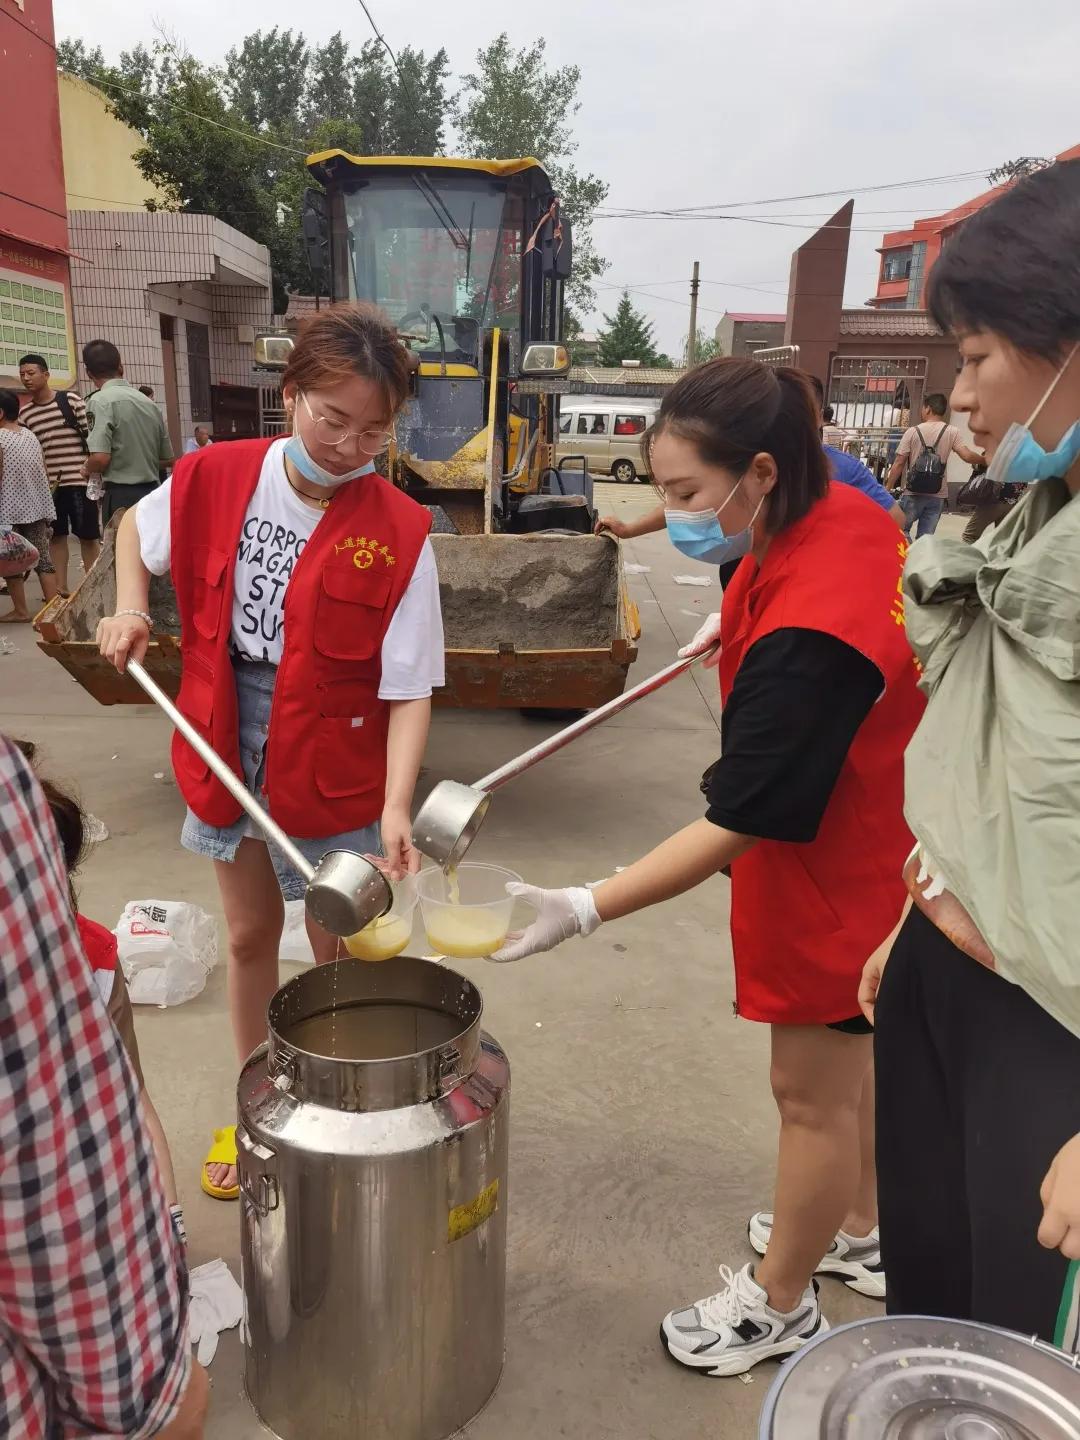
pixel 295 944
pixel 167 949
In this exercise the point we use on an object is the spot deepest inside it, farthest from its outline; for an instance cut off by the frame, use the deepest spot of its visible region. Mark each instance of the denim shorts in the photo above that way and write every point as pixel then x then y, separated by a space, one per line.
pixel 254 692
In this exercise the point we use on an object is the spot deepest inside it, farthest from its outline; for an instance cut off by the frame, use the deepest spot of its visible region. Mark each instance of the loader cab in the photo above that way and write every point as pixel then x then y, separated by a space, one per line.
pixel 469 260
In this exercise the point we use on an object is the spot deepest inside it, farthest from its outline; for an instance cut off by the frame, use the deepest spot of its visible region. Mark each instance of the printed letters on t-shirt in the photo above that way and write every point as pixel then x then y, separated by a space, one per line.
pixel 269 552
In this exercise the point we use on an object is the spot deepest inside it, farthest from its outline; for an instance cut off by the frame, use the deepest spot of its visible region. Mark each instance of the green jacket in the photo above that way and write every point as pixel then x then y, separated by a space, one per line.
pixel 992 775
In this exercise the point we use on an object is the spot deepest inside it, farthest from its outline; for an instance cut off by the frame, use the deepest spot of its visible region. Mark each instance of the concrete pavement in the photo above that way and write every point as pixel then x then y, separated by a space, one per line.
pixel 642 1131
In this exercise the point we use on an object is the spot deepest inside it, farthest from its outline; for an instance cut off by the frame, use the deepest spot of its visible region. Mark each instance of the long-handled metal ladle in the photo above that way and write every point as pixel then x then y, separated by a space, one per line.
pixel 344 891
pixel 449 819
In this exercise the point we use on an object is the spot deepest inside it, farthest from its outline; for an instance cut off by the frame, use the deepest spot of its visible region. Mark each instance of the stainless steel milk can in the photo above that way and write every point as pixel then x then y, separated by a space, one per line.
pixel 372 1144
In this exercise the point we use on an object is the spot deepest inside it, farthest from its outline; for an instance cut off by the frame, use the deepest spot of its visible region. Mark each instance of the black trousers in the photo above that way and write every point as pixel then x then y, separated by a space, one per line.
pixel 977 1090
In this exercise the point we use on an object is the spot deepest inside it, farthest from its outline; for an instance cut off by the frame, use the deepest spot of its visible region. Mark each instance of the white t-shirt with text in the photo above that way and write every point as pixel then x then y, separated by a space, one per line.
pixel 276 528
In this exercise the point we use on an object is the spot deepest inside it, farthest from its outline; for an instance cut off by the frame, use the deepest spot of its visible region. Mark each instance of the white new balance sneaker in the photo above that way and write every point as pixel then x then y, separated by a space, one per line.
pixel 735 1329
pixel 856 1260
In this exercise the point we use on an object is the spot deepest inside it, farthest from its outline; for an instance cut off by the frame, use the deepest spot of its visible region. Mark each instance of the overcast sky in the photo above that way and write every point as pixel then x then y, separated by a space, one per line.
pixel 693 102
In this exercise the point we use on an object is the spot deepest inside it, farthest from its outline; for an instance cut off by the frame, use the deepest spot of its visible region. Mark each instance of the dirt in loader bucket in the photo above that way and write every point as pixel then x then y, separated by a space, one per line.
pixel 542 592
pixel 530 621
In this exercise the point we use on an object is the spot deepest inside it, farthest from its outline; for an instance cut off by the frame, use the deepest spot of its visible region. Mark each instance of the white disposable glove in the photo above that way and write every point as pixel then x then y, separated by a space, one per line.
pixel 216 1304
pixel 559 915
pixel 706 637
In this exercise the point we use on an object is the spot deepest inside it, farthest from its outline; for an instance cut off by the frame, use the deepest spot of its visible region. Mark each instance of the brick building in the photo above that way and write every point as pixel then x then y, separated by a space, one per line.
pixel 181 296
pixel 35 276
pixel 907 256
pixel 741 332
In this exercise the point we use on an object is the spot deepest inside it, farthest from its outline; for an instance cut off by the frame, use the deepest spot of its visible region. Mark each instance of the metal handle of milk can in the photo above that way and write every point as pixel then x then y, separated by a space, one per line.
pixel 257 1157
pixel 449 1074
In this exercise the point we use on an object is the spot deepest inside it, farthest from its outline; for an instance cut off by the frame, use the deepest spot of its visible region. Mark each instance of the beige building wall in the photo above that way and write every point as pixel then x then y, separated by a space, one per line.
pixel 99 171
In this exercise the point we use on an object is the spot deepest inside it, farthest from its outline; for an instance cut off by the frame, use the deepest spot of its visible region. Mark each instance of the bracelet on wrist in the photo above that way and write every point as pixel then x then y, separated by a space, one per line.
pixel 139 615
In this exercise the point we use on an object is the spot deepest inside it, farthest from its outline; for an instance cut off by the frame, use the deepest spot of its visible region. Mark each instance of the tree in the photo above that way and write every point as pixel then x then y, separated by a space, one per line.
pixel 231 142
pixel 1017 169
pixel 707 348
pixel 511 105
pixel 262 79
pixel 627 335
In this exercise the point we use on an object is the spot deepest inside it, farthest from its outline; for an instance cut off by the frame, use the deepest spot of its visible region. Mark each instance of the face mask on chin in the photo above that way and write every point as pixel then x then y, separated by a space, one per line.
pixel 297 452
pixel 1020 460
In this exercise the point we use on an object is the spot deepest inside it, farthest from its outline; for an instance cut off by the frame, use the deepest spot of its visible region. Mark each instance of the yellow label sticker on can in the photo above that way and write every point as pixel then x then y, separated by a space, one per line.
pixel 464 1219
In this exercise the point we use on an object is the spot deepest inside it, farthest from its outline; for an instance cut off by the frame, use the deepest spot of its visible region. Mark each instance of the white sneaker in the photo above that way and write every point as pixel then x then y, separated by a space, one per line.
pixel 857 1260
pixel 736 1328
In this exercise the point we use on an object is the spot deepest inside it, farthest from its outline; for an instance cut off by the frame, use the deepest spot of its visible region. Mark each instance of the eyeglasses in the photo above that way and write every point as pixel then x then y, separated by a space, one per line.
pixel 331 432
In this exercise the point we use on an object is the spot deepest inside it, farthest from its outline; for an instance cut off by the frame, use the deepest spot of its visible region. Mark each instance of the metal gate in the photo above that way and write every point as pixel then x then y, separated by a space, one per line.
pixel 272 418
pixel 874 400
pixel 778 355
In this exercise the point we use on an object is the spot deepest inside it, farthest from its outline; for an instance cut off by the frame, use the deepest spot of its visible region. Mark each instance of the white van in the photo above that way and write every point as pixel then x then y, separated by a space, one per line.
pixel 607 432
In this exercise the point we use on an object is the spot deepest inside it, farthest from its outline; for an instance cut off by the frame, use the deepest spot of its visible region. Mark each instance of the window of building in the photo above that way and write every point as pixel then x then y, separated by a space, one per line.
pixel 198 359
pixel 915 279
pixel 896 264
pixel 629 424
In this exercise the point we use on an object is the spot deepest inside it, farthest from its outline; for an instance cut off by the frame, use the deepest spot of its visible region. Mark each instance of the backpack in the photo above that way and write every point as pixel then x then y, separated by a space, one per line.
pixel 71 420
pixel 928 471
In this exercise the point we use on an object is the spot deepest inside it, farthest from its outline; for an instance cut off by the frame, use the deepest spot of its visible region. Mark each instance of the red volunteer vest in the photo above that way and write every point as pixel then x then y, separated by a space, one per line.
pixel 326 749
pixel 805 918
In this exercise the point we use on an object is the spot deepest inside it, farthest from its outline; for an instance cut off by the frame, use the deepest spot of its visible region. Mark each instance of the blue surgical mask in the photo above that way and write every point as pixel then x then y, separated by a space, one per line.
pixel 698 534
pixel 297 452
pixel 1021 460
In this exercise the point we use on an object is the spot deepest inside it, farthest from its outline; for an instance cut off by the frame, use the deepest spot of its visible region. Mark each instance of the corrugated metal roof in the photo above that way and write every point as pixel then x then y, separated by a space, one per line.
pixel 870 321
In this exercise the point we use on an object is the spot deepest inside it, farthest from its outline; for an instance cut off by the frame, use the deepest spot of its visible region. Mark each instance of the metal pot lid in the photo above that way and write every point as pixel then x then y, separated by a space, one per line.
pixel 918 1378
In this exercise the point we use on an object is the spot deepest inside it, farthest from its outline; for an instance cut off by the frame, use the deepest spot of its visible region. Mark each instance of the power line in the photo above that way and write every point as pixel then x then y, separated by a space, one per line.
pixel 813 195
pixel 386 46
pixel 194 115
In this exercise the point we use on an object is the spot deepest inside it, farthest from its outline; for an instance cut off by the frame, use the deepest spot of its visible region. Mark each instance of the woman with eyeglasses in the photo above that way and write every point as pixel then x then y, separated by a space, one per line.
pixel 312 639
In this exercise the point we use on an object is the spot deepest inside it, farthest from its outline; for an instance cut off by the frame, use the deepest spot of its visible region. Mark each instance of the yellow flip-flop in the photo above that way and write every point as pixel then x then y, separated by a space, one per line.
pixel 222 1152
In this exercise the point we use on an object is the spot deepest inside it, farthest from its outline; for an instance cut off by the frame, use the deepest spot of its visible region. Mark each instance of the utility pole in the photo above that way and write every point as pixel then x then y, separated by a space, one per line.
pixel 691 341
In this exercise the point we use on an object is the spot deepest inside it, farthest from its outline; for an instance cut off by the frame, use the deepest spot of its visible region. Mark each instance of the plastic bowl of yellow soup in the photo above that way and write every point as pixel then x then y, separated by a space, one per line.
pixel 390 934
pixel 467 911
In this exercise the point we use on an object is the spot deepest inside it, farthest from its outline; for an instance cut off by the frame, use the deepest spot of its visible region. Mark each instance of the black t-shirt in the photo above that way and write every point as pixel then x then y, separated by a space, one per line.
pixel 798 699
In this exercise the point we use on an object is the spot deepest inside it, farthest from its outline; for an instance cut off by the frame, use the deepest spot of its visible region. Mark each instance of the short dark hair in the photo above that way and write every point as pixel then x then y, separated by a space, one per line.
pixel 731 409
pixel 1013 268
pixel 936 403
pixel 147 390
pixel 9 405
pixel 828 414
pixel 68 816
pixel 101 357
pixel 38 360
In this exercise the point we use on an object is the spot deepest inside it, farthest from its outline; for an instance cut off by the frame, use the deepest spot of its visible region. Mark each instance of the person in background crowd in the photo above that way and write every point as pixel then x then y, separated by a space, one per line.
pixel 928 444
pixel 26 503
pixel 58 418
pixel 326 717
pixel 200 438
pixel 147 390
pixel 94 1333
pixel 805 810
pixel 977 1009
pixel 995 502
pixel 831 434
pixel 101 953
pixel 128 442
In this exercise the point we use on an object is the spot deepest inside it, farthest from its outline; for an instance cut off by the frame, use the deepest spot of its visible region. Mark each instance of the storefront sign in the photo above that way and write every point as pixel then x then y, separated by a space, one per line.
pixel 35 310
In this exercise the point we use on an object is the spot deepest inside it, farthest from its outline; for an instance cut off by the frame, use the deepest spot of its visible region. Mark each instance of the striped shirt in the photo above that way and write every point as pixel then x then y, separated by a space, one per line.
pixel 64 450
